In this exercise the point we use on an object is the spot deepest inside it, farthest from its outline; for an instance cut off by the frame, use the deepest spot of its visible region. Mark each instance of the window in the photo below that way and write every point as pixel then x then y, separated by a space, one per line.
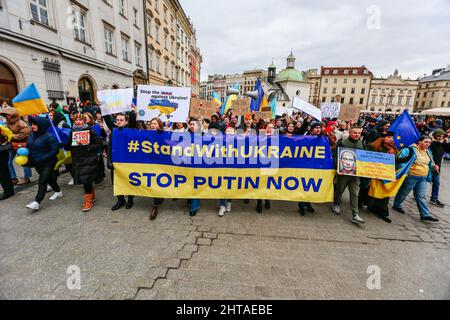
pixel 39 11
pixel 156 5
pixel 342 100
pixel 326 81
pixel 335 72
pixel 138 54
pixel 125 51
pixel 344 90
pixel 149 26
pixel 327 71
pixel 351 101
pixel 335 81
pixel 408 101
pixel 323 99
pixel 363 91
pixel 165 14
pixel 158 63
pixel 52 71
pixel 354 81
pixel 157 33
pixel 324 90
pixel 373 100
pixel 136 17
pixel 361 101
pixel 122 7
pixel 346 72
pixel 353 90
pixel 334 90
pixel 400 100
pixel 108 41
pixel 79 20
pixel 355 71
pixel 165 40
pixel 166 69
pixel 345 80
pixel 364 81
pixel 150 58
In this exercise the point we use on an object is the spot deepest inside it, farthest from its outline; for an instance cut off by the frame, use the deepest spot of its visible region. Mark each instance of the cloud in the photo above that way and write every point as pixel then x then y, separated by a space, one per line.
pixel 238 35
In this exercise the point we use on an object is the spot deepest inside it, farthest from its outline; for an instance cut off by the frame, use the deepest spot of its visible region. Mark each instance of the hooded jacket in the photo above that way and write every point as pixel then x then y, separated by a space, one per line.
pixel 42 145
pixel 19 128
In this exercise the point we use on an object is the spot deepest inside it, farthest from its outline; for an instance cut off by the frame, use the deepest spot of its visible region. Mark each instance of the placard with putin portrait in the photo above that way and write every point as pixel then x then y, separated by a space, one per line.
pixel 366 164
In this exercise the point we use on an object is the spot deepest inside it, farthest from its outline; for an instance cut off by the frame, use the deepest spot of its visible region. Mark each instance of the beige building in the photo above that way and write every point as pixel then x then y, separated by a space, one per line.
pixel 434 91
pixel 351 84
pixel 250 78
pixel 392 94
pixel 314 79
pixel 169 36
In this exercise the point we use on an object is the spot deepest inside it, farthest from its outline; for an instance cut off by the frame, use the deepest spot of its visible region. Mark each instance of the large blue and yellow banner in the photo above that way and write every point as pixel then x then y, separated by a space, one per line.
pixel 209 166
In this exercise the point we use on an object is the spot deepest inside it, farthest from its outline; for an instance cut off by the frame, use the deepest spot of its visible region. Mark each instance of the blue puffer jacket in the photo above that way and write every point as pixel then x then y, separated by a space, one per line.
pixel 42 145
pixel 405 154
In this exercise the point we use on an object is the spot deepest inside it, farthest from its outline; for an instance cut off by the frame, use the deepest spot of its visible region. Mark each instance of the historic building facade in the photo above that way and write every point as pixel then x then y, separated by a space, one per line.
pixel 392 94
pixel 434 91
pixel 71 49
pixel 350 84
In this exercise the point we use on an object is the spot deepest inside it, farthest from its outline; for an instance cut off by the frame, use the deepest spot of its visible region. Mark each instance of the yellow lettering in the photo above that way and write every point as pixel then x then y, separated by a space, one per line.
pixel 146 147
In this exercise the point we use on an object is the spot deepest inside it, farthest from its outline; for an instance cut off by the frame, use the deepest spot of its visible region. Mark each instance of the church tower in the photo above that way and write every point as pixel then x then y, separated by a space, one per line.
pixel 272 73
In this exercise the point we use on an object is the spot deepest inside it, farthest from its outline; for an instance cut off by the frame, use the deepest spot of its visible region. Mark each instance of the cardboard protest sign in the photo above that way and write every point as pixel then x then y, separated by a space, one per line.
pixel 81 138
pixel 202 108
pixel 330 109
pixel 304 106
pixel 366 164
pixel 350 112
pixel 167 103
pixel 115 101
pixel 265 115
pixel 241 107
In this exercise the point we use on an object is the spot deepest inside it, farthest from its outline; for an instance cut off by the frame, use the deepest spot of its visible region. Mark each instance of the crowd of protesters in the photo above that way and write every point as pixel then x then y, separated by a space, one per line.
pixel 423 160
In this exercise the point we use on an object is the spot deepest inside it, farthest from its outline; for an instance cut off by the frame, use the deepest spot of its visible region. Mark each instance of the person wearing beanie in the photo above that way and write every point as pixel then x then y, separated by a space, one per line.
pixel 438 148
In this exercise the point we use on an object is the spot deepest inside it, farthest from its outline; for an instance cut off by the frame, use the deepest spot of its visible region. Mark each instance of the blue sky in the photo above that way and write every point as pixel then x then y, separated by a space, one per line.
pixel 236 35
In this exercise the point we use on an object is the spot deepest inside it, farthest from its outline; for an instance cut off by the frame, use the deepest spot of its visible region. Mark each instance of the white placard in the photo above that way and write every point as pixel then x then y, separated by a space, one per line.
pixel 167 103
pixel 330 110
pixel 304 106
pixel 115 101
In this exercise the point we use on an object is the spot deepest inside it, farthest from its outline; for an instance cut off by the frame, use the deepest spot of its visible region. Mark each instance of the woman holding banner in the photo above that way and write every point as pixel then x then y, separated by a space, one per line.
pixel 380 207
pixel 155 125
pixel 84 145
pixel 195 127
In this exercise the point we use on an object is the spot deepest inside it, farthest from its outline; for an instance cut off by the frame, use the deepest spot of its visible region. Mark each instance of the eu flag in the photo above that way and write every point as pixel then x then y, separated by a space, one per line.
pixel 405 131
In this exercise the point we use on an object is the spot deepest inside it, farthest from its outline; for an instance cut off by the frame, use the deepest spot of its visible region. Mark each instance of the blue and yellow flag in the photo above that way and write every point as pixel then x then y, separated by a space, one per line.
pixel 406 133
pixel 229 100
pixel 273 106
pixel 216 98
pixel 29 102
pixel 258 104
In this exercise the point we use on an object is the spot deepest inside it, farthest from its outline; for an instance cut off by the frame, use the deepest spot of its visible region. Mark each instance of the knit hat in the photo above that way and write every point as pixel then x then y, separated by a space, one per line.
pixel 439 132
pixel 315 124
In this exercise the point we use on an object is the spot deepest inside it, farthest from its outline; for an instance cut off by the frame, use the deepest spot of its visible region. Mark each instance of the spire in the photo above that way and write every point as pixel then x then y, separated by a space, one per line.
pixel 291 61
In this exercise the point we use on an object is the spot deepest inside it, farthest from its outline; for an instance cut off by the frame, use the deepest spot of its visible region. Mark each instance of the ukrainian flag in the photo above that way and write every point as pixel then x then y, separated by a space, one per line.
pixel 216 98
pixel 229 100
pixel 260 103
pixel 29 102
pixel 273 106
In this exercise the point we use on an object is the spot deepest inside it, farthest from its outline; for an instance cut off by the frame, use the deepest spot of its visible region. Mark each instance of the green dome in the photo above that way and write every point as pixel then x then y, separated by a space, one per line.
pixel 290 75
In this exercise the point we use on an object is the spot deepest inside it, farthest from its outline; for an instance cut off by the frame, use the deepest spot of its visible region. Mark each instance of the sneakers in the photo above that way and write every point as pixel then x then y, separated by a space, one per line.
pixel 357 219
pixel 88 204
pixel 23 181
pixel 49 189
pixel 222 211
pixel 437 203
pixel 71 182
pixel 55 196
pixel 33 206
pixel 336 209
pixel 429 219
pixel 229 206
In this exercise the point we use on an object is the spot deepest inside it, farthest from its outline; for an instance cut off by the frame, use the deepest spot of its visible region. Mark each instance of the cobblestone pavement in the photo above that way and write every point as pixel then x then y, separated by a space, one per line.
pixel 277 255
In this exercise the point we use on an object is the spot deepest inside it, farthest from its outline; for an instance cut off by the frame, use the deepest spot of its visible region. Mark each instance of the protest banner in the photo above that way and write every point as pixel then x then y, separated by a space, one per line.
pixel 366 164
pixel 162 165
pixel 202 108
pixel 115 101
pixel 304 106
pixel 330 110
pixel 349 112
pixel 265 115
pixel 241 107
pixel 167 103
pixel 81 138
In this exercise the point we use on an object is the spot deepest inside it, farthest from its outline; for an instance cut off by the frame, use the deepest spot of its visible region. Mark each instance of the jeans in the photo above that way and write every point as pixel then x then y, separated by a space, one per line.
pixel 223 202
pixel 436 185
pixel 47 176
pixel 419 185
pixel 194 205
pixel 353 184
pixel 26 171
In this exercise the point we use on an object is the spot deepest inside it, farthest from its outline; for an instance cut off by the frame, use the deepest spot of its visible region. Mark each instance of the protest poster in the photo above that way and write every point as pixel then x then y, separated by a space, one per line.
pixel 208 166
pixel 349 112
pixel 330 110
pixel 366 164
pixel 202 108
pixel 166 103
pixel 115 101
pixel 301 105
pixel 264 115
pixel 81 138
pixel 241 107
